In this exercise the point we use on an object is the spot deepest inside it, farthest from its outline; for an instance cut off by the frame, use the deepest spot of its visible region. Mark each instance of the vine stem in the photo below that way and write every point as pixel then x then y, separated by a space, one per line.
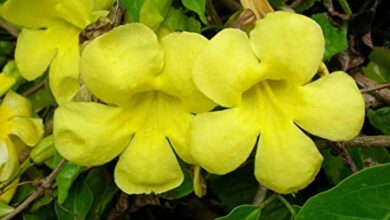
pixel 9 28
pixel 287 204
pixel 260 195
pixel 46 183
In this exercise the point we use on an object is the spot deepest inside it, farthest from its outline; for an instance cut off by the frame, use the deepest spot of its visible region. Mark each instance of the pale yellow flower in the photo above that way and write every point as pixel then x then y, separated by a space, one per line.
pixel 50 37
pixel 265 81
pixel 15 122
pixel 148 86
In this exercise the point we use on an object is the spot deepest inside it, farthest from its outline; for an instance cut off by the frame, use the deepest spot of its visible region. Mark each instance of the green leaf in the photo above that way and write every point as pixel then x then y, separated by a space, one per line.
pixel 6 48
pixel 235 188
pixel 183 190
pixel 44 213
pixel 133 8
pixel 335 39
pixel 5 209
pixel 78 203
pixel 275 210
pixel 306 4
pixel 364 195
pixel 243 212
pixel 65 178
pixel 103 188
pixel 380 119
pixel 197 6
pixel 379 67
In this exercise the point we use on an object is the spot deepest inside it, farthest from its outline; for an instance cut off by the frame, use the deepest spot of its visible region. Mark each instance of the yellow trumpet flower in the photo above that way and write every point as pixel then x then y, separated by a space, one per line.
pixel 50 37
pixel 265 81
pixel 15 120
pixel 150 95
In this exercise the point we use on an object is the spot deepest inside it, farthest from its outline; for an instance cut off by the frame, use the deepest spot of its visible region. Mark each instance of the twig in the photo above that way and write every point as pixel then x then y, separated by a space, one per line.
pixel 9 28
pixel 45 184
pixel 296 3
pixel 268 201
pixel 212 12
pixel 342 150
pixel 381 94
pixel 380 86
pixel 260 195
pixel 287 204
pixel 361 141
pixel 35 88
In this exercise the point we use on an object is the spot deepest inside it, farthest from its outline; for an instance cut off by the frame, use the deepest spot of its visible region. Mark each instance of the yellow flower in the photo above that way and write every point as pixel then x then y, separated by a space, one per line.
pixel 50 37
pixel 16 121
pixel 264 80
pixel 150 94
pixel 9 77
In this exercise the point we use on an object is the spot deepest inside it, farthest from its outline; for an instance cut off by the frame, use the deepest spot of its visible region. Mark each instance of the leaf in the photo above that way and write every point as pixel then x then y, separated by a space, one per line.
pixel 133 8
pixel 5 209
pixel 335 39
pixel 78 203
pixel 243 212
pixel 275 210
pixel 183 190
pixel 306 4
pixel 235 188
pixel 197 6
pixel 380 119
pixel 65 178
pixel 103 188
pixel 379 67
pixel 364 195
pixel 44 213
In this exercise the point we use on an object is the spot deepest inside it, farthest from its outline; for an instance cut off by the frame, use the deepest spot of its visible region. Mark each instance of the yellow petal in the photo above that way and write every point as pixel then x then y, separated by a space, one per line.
pixel 64 70
pixel 332 107
pixel 121 62
pixel 29 130
pixel 226 67
pixel 103 4
pixel 286 159
pixel 221 141
pixel 75 12
pixel 35 50
pixel 290 46
pixel 14 105
pixel 29 13
pixel 90 134
pixel 9 160
pixel 148 165
pixel 9 191
pixel 180 51
pixel 9 77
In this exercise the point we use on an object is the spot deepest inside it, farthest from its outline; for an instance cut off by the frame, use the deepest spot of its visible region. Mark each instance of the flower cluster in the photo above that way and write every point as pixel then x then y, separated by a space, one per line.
pixel 156 97
pixel 16 125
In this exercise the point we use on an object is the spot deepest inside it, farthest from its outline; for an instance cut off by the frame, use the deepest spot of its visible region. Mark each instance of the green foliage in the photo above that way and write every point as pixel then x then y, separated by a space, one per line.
pixel 197 6
pixel 306 4
pixel 243 212
pixel 380 119
pixel 362 195
pixel 379 67
pixel 5 209
pixel 335 38
pixel 65 179
pixel 133 8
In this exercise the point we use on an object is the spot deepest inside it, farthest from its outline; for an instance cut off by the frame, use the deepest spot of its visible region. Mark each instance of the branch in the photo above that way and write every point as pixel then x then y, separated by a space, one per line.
pixel 361 141
pixel 45 184
pixel 382 94
pixel 9 28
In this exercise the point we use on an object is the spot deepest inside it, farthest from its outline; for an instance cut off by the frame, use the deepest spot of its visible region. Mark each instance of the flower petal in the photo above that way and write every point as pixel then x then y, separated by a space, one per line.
pixel 65 69
pixel 148 165
pixel 34 51
pixel 180 51
pixel 226 67
pixel 90 134
pixel 289 46
pixel 221 141
pixel 286 159
pixel 9 191
pixel 76 12
pixel 29 13
pixel 332 107
pixel 9 160
pixel 121 62
pixel 14 105
pixel 29 130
